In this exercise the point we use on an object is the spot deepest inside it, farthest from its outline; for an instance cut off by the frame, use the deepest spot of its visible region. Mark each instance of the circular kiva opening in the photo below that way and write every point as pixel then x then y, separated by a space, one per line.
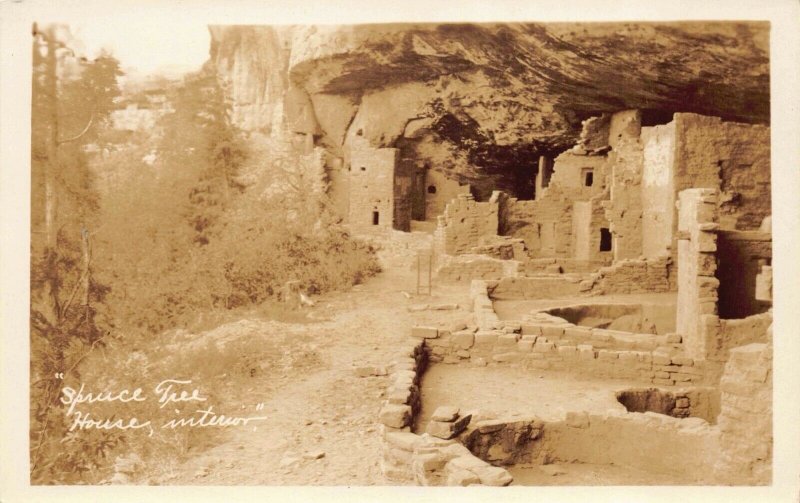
pixel 635 318
pixel 702 403
pixel 648 400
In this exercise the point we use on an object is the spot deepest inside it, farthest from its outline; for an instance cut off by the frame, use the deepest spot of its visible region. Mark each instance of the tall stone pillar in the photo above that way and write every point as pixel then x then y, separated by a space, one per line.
pixel 697 285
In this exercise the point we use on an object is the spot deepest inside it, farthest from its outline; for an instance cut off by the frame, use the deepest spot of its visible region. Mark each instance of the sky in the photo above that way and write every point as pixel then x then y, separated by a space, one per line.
pixel 146 43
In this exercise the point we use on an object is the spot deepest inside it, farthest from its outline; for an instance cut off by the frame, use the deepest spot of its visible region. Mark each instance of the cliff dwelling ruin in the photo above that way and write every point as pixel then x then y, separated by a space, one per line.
pixel 601 195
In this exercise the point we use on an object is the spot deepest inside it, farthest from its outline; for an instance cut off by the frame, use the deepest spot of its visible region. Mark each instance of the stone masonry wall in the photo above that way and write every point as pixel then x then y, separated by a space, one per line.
pixel 549 342
pixel 683 447
pixel 664 444
pixel 371 185
pixel 542 286
pixel 546 224
pixel 578 350
pixel 445 190
pixel 721 336
pixel 485 317
pixel 465 268
pixel 519 221
pixel 658 193
pixel 464 223
pixel 706 336
pixel 569 174
pixel 745 418
pixel 632 276
pixel 561 265
pixel 697 295
pixel 732 157
pixel 424 459
pixel 624 208
pixel 588 218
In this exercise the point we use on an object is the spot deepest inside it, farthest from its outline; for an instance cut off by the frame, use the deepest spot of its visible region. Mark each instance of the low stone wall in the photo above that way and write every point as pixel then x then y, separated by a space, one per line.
pixel 403 399
pixel 561 265
pixel 503 441
pixel 464 268
pixel 464 223
pixel 581 350
pixel 633 276
pixel 720 336
pixel 482 307
pixel 745 418
pixel 654 442
pixel 549 342
pixel 537 287
pixel 501 247
pixel 424 459
pixel 626 276
pixel 686 448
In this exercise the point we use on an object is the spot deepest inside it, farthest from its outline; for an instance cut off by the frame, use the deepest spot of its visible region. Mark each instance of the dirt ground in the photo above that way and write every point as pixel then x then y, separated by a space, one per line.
pixel 503 391
pixel 584 474
pixel 322 427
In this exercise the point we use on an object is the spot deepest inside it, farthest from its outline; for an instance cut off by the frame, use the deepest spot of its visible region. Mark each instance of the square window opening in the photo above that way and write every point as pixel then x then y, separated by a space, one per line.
pixel 605 240
pixel 588 177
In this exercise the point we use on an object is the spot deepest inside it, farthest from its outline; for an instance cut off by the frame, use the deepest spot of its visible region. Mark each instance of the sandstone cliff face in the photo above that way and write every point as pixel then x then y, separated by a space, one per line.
pixel 489 97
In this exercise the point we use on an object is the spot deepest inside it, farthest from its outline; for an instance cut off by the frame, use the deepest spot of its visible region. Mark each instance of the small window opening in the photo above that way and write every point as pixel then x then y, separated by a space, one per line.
pixel 605 240
pixel 376 218
pixel 360 132
pixel 363 168
pixel 431 189
pixel 588 177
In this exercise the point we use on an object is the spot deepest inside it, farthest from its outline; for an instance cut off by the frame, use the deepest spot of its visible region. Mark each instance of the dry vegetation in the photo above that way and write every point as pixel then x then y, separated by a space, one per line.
pixel 136 234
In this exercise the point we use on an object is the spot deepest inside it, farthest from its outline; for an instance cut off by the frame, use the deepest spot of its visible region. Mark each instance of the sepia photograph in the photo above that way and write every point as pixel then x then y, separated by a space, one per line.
pixel 426 253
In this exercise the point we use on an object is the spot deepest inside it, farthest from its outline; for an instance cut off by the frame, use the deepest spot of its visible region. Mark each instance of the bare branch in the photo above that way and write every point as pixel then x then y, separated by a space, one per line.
pixel 63 310
pixel 85 130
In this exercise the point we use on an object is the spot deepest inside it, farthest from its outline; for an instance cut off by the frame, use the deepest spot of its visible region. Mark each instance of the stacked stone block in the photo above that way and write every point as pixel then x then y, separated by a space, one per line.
pixel 465 268
pixel 632 276
pixel 550 342
pixel 656 442
pixel 446 422
pixel 561 265
pixel 485 317
pixel 504 442
pixel 537 287
pixel 464 223
pixel 745 418
pixel 697 295
pixel 426 459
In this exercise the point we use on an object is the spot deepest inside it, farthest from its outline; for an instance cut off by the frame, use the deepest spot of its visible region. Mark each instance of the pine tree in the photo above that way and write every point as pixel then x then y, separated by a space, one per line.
pixel 71 100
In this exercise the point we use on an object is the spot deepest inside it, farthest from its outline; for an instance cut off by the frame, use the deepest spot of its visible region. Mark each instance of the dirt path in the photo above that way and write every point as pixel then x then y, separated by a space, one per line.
pixel 322 427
